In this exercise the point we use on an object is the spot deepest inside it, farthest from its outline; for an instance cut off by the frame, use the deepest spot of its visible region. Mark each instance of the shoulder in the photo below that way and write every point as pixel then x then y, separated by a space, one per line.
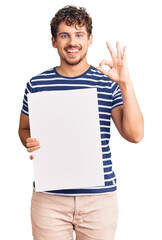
pixel 45 74
pixel 39 78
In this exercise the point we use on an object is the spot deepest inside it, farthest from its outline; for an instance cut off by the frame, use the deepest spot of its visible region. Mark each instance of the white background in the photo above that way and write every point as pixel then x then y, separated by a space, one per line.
pixel 26 50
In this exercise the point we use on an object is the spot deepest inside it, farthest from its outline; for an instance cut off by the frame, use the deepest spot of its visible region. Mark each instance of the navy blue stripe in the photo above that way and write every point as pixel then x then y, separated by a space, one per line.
pixel 105 135
pixel 104 103
pixel 107 155
pixel 109 176
pixel 104 142
pixel 101 109
pixel 109 183
pixel 29 87
pixel 108 169
pixel 104 129
pixel 104 96
pixel 105 149
pixel 83 191
pixel 104 116
pixel 108 162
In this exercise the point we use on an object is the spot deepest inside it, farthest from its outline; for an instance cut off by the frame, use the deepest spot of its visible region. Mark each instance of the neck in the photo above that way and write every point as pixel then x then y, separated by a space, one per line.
pixel 72 70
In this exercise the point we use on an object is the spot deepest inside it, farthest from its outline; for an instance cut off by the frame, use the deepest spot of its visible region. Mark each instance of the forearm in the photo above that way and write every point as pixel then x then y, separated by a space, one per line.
pixel 24 134
pixel 132 120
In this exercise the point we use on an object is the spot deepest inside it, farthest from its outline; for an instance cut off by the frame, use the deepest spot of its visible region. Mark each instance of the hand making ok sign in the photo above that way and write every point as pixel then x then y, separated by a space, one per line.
pixel 118 71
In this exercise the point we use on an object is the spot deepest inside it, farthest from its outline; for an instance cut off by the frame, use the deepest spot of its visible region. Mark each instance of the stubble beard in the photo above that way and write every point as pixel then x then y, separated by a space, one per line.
pixel 74 62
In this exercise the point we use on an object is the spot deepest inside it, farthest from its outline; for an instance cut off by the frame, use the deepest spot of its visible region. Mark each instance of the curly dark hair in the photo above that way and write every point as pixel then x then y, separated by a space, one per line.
pixel 71 15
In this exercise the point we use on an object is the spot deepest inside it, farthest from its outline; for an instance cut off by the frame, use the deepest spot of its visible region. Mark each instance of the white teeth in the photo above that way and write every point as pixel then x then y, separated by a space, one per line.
pixel 73 51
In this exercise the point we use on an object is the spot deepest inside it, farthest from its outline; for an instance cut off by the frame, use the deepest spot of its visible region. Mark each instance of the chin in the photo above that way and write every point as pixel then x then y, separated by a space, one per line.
pixel 73 62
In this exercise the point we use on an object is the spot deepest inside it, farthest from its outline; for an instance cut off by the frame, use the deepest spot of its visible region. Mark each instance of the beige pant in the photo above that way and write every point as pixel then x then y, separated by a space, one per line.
pixel 94 217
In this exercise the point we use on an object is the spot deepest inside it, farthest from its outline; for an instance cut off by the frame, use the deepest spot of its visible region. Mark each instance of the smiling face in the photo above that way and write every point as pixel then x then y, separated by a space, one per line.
pixel 72 44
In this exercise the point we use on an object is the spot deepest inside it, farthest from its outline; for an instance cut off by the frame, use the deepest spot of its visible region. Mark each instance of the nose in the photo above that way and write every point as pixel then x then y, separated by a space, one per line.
pixel 72 41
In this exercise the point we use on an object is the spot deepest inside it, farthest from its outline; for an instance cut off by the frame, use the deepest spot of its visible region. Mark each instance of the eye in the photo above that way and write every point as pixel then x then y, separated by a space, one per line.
pixel 64 36
pixel 79 35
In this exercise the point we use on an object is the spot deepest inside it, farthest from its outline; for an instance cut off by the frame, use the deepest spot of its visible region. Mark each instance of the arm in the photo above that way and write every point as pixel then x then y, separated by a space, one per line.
pixel 24 133
pixel 127 118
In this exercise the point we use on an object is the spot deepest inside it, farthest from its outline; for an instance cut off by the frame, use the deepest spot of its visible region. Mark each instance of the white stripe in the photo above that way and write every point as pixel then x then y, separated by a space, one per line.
pixel 68 79
pixel 25 105
pixel 45 74
pixel 104 93
pixel 24 111
pixel 106 159
pixel 30 84
pixel 102 139
pixel 92 74
pixel 105 113
pixel 116 104
pixel 100 187
pixel 94 70
pixel 78 85
pixel 109 180
pixel 118 94
pixel 113 84
pixel 105 126
pixel 105 100
pixel 116 90
pixel 28 90
pixel 25 101
pixel 107 152
pixel 97 71
pixel 102 106
pixel 102 134
pixel 107 120
pixel 118 98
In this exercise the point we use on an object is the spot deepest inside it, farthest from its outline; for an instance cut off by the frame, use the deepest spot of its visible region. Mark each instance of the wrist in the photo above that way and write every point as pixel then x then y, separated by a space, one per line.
pixel 126 86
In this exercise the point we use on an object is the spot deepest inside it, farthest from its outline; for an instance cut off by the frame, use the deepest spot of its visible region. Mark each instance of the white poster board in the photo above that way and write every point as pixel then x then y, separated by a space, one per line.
pixel 66 123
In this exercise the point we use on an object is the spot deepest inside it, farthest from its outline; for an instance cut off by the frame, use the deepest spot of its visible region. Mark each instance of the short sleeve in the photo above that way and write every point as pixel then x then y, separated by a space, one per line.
pixel 116 95
pixel 28 89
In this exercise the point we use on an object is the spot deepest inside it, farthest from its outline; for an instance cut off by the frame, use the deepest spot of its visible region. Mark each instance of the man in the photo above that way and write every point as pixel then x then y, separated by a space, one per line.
pixel 92 211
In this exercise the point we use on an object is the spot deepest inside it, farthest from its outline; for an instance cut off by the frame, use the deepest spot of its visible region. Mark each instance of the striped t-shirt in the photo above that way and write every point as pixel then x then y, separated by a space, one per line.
pixel 109 97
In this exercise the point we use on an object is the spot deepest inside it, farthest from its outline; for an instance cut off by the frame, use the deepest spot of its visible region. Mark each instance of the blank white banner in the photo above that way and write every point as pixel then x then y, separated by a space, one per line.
pixel 67 125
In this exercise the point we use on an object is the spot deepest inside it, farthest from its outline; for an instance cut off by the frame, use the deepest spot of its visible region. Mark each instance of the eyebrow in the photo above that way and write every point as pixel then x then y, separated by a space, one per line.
pixel 68 33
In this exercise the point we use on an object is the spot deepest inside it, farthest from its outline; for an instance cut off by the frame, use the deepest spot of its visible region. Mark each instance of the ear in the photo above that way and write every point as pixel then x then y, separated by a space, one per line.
pixel 90 39
pixel 54 42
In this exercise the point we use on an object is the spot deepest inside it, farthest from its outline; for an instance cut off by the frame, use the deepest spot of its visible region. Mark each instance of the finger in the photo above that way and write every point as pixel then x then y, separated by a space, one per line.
pixel 31 157
pixel 106 62
pixel 33 149
pixel 102 70
pixel 33 144
pixel 31 140
pixel 125 53
pixel 111 50
pixel 119 52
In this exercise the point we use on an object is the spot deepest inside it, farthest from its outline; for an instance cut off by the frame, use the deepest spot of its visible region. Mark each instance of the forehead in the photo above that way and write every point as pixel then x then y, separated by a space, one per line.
pixel 70 29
